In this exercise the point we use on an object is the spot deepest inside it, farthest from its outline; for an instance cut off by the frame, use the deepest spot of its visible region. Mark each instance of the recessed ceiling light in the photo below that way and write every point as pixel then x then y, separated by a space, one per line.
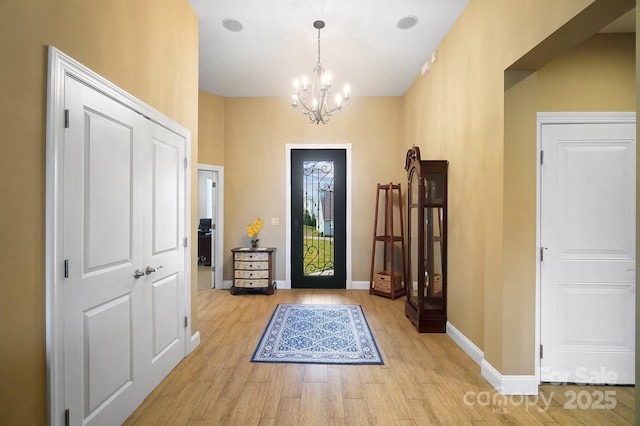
pixel 407 22
pixel 232 24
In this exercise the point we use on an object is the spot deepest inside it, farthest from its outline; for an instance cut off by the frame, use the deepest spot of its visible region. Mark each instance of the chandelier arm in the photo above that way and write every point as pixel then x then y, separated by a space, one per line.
pixel 302 103
pixel 305 109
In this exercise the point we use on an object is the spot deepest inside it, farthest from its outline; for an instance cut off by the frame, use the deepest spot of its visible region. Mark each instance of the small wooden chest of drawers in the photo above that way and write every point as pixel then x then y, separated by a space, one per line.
pixel 253 269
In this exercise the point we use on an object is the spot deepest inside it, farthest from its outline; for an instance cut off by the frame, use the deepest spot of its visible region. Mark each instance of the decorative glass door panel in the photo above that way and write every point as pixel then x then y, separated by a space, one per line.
pixel 318 213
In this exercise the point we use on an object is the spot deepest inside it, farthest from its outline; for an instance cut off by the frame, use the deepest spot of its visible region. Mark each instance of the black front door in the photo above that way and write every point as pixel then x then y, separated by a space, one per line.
pixel 318 218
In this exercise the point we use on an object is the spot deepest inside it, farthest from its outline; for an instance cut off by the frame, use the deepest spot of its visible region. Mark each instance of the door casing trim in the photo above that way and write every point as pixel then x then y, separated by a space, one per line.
pixel 60 66
pixel 288 147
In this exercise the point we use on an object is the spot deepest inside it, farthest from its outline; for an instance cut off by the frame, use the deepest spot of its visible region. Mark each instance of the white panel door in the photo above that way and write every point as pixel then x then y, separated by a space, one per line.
pixel 588 253
pixel 103 301
pixel 123 219
pixel 164 251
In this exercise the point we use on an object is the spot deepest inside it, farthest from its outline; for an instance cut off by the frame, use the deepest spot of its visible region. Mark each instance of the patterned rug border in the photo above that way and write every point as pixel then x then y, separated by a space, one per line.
pixel 376 358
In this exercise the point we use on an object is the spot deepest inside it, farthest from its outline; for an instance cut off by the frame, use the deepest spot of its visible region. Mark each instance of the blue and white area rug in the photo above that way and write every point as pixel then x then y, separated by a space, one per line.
pixel 318 334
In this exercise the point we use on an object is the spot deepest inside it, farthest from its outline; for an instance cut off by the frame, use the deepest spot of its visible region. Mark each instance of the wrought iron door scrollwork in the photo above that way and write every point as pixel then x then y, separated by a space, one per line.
pixel 318 206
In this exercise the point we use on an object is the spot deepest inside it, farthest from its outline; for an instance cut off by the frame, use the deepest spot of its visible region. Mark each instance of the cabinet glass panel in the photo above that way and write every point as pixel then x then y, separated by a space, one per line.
pixel 433 250
pixel 414 241
pixel 433 188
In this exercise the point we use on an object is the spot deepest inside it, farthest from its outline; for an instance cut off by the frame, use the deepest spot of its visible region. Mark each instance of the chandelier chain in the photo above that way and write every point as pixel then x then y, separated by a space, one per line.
pixel 319 63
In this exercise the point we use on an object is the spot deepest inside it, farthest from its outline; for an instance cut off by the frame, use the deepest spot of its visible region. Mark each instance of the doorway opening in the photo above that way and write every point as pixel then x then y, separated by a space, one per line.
pixel 209 226
pixel 318 213
pixel 327 198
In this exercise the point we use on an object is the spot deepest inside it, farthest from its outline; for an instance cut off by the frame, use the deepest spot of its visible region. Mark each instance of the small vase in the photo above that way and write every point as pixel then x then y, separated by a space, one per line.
pixel 254 244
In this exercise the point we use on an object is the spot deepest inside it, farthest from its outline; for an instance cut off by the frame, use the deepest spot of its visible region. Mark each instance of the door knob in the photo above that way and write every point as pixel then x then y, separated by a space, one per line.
pixel 138 273
pixel 151 269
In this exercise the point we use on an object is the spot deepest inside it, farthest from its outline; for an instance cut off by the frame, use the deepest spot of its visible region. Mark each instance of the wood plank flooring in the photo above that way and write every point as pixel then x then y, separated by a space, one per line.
pixel 426 379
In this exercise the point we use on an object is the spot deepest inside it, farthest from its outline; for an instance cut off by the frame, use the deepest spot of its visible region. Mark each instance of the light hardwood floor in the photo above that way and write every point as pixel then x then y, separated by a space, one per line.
pixel 426 378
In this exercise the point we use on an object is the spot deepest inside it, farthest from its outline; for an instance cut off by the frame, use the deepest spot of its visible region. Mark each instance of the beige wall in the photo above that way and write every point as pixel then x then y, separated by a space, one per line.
pixel 256 132
pixel 457 112
pixel 598 75
pixel 146 47
pixel 637 398
pixel 210 129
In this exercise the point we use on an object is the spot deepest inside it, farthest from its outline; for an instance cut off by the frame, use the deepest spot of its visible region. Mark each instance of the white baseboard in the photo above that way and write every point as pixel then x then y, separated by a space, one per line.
pixel 359 285
pixel 355 285
pixel 286 285
pixel 226 285
pixel 467 345
pixel 509 384
pixel 195 341
pixel 505 384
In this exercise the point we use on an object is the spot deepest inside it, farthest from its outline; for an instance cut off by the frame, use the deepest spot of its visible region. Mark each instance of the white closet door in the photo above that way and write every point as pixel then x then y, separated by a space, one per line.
pixel 163 227
pixel 123 212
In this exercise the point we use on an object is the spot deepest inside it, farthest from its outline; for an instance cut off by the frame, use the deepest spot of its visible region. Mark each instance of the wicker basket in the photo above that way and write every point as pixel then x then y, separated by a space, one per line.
pixel 384 282
pixel 437 284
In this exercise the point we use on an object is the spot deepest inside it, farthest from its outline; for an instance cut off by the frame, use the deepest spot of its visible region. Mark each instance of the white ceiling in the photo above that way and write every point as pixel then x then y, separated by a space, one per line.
pixel 361 43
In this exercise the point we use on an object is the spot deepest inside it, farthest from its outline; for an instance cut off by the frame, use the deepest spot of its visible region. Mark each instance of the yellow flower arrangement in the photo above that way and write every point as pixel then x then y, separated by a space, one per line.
pixel 252 231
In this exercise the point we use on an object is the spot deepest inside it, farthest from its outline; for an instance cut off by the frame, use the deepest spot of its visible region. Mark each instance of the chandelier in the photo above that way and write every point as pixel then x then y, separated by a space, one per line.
pixel 313 97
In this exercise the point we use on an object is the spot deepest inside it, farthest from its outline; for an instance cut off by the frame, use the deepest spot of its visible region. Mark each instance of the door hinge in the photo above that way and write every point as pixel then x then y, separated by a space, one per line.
pixel 213 269
pixel 186 322
pixel 541 157
pixel 541 254
pixel 184 242
pixel 213 184
pixel 213 226
pixel 541 351
pixel 67 422
pixel 66 268
pixel 66 118
pixel 185 162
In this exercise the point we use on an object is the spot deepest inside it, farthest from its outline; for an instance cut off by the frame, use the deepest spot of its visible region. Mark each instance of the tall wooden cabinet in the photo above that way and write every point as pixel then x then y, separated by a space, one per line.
pixel 426 304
